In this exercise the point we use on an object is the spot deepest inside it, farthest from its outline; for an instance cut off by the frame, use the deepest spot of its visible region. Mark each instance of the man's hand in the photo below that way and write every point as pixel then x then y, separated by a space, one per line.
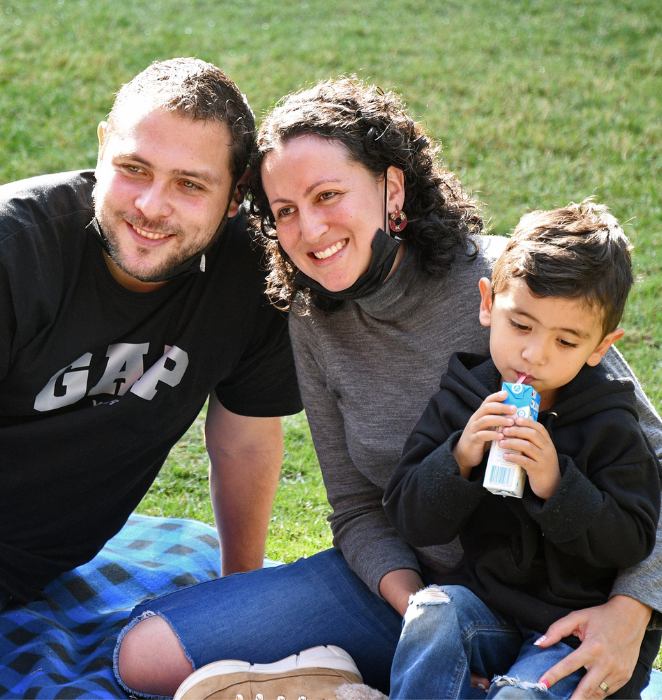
pixel 611 636
pixel 245 455
pixel 481 429
pixel 534 451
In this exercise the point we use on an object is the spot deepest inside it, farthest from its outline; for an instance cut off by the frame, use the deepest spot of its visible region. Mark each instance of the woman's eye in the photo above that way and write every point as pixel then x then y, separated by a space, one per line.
pixel 327 195
pixel 285 211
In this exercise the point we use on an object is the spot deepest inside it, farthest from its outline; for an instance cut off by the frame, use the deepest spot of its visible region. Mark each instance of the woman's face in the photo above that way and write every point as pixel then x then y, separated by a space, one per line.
pixel 327 209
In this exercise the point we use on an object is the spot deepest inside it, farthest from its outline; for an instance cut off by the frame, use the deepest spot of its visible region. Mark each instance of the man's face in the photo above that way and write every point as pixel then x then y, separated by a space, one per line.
pixel 163 188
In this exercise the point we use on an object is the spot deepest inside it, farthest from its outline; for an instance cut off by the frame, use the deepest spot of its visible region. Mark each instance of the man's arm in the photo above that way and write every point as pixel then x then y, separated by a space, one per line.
pixel 245 455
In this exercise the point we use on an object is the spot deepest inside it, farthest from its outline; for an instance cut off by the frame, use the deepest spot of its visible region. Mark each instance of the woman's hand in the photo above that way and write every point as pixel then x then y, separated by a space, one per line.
pixel 611 636
pixel 481 429
pixel 534 451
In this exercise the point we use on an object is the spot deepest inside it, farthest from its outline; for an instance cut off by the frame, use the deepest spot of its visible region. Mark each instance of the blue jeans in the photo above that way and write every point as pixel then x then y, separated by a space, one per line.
pixel 448 632
pixel 265 615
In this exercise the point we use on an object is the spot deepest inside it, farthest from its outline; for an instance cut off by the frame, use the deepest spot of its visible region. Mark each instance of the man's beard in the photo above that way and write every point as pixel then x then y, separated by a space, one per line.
pixel 164 272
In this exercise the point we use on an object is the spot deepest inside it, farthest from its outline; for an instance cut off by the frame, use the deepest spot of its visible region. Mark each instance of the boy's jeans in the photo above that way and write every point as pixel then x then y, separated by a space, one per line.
pixel 448 632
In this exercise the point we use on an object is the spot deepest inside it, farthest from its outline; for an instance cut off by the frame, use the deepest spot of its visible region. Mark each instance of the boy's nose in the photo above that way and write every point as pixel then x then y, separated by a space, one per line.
pixel 535 353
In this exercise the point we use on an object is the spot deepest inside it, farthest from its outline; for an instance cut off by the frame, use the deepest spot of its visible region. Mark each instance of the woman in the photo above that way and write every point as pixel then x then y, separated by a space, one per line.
pixel 374 320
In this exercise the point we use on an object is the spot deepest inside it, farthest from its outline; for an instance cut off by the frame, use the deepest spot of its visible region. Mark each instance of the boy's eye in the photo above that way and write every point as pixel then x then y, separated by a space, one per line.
pixel 567 343
pixel 519 326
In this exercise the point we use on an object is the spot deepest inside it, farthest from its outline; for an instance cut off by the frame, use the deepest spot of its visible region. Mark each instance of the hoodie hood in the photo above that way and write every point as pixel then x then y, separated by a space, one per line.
pixel 474 377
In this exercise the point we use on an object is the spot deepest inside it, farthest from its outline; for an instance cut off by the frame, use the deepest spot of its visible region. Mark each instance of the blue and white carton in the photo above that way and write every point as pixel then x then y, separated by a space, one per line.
pixel 504 478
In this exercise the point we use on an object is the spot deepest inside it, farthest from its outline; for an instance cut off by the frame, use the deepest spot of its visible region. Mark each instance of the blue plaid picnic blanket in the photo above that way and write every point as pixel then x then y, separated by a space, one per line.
pixel 62 647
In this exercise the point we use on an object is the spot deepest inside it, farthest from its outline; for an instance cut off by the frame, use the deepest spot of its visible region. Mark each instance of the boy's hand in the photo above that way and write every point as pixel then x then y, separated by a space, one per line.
pixel 481 429
pixel 538 455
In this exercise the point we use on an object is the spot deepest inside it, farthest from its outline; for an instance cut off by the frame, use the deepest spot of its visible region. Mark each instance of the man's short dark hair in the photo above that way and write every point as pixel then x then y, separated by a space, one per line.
pixel 197 90
pixel 579 251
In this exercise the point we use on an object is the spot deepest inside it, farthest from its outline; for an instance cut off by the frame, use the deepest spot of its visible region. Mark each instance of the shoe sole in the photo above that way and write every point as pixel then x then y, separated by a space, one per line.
pixel 329 657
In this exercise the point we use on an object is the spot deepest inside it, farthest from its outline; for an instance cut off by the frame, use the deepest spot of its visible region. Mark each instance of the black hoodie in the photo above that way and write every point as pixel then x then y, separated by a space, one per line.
pixel 532 559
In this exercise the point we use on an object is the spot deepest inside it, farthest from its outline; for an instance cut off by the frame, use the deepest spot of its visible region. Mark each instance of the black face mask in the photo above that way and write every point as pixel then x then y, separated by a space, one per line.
pixel 384 250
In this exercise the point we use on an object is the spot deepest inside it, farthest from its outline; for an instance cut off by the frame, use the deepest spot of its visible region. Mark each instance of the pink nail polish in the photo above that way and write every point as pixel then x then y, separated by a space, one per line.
pixel 545 682
pixel 539 641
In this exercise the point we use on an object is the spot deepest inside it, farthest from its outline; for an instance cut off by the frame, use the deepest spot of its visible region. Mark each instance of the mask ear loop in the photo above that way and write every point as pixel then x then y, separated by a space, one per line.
pixel 386 226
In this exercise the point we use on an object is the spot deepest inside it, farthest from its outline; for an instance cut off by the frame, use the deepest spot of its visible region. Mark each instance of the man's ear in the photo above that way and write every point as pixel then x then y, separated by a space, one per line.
pixel 605 344
pixel 239 193
pixel 102 133
pixel 485 315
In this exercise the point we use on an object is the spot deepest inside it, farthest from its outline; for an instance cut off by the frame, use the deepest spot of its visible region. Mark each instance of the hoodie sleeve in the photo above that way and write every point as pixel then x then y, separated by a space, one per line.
pixel 605 512
pixel 426 499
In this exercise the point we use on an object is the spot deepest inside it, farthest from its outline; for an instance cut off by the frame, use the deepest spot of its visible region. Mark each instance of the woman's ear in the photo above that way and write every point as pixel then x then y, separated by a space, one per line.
pixel 395 183
pixel 485 315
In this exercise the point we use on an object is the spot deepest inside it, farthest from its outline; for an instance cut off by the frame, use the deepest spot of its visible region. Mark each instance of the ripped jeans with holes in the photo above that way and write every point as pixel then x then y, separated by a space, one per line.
pixel 447 632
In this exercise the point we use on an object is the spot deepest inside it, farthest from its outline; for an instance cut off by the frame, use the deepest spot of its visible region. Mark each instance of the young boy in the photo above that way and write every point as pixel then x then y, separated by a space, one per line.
pixel 592 497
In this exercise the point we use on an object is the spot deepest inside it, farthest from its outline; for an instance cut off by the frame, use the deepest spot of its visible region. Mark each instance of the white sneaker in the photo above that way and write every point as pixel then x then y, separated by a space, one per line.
pixel 314 674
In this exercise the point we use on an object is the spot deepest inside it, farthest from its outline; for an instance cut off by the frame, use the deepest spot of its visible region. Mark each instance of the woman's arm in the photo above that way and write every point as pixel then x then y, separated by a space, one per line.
pixel 611 634
pixel 369 543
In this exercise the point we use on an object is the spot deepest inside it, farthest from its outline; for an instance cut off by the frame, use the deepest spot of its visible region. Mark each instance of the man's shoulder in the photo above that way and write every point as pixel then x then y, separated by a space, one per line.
pixel 38 200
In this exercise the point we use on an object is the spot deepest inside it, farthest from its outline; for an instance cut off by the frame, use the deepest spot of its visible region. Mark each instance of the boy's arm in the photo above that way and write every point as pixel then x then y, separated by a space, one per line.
pixel 427 500
pixel 608 514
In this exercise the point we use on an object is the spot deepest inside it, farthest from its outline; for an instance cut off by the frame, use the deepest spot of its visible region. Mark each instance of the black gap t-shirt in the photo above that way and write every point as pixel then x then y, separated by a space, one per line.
pixel 97 383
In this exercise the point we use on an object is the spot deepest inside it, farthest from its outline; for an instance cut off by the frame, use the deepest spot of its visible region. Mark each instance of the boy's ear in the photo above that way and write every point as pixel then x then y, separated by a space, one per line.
pixel 606 343
pixel 485 315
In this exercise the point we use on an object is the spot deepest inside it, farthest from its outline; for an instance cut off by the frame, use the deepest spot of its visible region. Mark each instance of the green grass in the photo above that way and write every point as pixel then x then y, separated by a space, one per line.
pixel 298 520
pixel 537 102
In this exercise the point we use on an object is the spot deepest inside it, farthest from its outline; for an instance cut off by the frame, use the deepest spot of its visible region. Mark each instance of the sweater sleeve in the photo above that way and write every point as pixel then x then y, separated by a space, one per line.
pixel 643 581
pixel 361 531
pixel 426 499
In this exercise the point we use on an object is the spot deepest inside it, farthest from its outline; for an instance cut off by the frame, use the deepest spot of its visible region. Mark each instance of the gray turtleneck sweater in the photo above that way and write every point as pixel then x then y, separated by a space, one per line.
pixel 366 373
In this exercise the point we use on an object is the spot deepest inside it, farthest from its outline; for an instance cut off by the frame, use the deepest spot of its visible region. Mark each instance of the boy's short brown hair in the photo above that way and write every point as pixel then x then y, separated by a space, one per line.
pixel 579 251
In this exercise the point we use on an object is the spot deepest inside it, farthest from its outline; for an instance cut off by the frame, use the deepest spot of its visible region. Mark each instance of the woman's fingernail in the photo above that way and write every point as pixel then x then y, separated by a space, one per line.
pixel 539 641
pixel 482 687
pixel 545 682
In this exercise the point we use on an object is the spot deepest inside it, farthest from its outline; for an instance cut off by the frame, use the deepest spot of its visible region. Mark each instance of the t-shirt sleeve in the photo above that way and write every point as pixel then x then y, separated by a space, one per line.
pixel 369 543
pixel 7 323
pixel 264 383
pixel 642 581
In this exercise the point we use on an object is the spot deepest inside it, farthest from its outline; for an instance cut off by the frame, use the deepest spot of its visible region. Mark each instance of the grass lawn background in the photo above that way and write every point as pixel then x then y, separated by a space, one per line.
pixel 536 103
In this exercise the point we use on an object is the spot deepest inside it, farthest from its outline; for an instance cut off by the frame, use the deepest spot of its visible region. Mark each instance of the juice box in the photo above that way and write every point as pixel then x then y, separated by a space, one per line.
pixel 502 477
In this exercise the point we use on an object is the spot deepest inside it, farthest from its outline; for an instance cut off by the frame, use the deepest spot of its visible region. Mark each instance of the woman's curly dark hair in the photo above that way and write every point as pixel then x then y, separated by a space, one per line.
pixel 376 132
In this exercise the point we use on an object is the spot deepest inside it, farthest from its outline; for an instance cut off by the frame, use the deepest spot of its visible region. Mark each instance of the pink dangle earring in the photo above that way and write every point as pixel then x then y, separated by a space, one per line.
pixel 398 219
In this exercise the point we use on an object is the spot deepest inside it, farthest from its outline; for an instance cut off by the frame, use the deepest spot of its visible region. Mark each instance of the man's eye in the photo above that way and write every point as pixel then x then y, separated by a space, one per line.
pixel 189 185
pixel 133 168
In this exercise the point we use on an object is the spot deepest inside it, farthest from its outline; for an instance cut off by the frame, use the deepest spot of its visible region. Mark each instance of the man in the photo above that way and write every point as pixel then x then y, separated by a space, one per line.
pixel 127 297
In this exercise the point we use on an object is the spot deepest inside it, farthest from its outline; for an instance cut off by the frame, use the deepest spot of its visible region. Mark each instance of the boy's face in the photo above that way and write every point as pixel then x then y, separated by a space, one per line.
pixel 549 339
